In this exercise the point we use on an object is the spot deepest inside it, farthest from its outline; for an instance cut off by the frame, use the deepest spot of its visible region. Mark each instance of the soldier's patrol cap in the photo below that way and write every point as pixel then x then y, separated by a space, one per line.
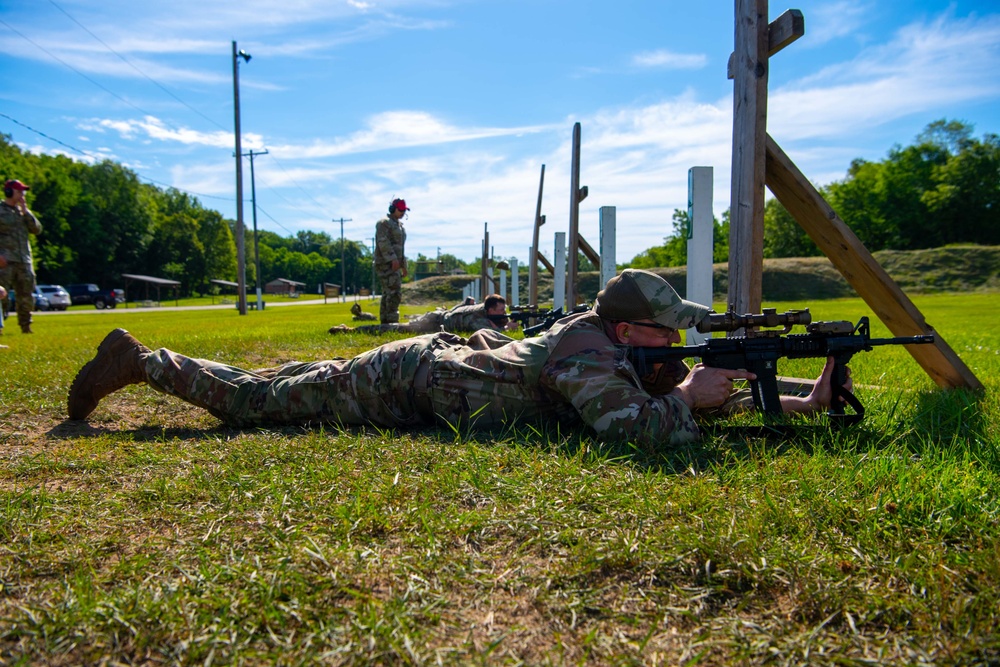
pixel 635 294
pixel 14 184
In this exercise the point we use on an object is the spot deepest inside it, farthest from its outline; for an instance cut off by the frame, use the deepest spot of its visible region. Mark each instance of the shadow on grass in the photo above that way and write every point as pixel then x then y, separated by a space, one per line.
pixel 941 417
pixel 720 441
pixel 70 429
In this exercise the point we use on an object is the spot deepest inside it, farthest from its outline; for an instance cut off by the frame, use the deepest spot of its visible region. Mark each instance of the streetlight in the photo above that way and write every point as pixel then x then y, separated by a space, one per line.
pixel 241 279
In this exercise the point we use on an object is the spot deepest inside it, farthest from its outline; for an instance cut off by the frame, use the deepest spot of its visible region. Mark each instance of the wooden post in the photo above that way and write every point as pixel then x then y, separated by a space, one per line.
pixel 746 233
pixel 781 32
pixel 862 272
pixel 574 218
pixel 484 287
pixel 515 287
pixel 588 250
pixel 533 257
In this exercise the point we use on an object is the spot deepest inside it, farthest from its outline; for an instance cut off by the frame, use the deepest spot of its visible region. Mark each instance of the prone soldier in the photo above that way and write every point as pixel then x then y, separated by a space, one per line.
pixel 359 315
pixel 490 314
pixel 572 374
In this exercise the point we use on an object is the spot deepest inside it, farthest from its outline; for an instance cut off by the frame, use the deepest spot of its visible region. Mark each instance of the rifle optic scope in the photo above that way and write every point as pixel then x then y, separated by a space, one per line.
pixel 769 317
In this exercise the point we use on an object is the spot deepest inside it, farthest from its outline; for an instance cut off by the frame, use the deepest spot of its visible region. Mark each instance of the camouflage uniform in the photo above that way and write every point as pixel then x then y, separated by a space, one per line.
pixel 458 318
pixel 572 374
pixel 360 315
pixel 390 237
pixel 19 274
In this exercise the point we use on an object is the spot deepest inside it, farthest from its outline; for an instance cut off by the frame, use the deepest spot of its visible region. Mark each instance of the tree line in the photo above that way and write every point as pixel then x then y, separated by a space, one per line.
pixel 100 221
pixel 943 189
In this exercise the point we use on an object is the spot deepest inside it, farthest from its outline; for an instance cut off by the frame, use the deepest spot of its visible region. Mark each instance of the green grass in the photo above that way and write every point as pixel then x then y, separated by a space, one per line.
pixel 154 535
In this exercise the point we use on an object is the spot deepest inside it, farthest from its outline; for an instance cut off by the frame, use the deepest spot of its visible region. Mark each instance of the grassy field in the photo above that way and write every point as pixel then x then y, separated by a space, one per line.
pixel 153 535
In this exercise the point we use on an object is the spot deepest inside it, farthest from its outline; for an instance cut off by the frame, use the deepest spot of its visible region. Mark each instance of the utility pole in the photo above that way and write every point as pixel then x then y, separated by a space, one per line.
pixel 256 250
pixel 241 279
pixel 343 285
pixel 373 266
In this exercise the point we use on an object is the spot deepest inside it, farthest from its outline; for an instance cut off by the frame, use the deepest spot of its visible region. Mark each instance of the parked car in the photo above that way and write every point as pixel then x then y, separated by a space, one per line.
pixel 87 293
pixel 57 296
pixel 41 302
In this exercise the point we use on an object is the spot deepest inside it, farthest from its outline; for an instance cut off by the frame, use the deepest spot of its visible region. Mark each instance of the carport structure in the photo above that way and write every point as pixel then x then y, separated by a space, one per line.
pixel 158 283
pixel 223 284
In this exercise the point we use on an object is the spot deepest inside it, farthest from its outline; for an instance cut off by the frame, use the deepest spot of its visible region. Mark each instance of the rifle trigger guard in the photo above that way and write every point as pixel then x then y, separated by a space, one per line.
pixel 836 413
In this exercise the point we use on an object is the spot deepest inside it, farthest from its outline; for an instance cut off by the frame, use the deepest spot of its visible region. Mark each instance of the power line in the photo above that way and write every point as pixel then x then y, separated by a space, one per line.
pixel 133 66
pixel 98 159
pixel 102 87
pixel 145 178
pixel 42 134
pixel 290 232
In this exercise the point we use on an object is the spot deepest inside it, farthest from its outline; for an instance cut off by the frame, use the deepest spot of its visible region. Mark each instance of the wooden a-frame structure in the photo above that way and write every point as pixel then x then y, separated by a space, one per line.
pixel 759 161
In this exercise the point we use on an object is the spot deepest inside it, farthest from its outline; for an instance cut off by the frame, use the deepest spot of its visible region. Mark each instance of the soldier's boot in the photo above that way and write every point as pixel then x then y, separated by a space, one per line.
pixel 120 361
pixel 26 328
pixel 340 328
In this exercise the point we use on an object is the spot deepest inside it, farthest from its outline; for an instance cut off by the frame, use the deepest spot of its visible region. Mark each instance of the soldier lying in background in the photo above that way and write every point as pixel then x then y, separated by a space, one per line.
pixel 491 314
pixel 360 315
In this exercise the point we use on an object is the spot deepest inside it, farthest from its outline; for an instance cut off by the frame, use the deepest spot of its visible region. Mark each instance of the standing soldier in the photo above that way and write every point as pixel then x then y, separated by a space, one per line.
pixel 16 269
pixel 390 262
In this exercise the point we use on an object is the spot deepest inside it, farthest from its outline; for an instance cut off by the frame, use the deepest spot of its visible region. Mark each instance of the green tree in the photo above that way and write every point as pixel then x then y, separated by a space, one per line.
pixel 220 247
pixel 177 253
pixel 116 218
pixel 783 236
pixel 965 200
pixel 673 252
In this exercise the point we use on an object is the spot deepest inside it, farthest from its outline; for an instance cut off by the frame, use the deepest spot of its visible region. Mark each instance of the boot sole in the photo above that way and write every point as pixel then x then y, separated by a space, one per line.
pixel 108 341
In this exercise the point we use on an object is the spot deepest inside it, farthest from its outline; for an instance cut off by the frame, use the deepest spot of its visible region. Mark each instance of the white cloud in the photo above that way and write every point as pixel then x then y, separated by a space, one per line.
pixel 399 129
pixel 663 59
pixel 153 128
pixel 832 20
pixel 922 66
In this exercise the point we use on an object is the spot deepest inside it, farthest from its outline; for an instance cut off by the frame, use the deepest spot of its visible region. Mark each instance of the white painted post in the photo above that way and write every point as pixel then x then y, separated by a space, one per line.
pixel 515 284
pixel 609 270
pixel 700 242
pixel 559 277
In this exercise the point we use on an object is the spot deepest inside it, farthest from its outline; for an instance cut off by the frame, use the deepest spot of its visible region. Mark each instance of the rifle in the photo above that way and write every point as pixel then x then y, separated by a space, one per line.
pixel 547 317
pixel 759 351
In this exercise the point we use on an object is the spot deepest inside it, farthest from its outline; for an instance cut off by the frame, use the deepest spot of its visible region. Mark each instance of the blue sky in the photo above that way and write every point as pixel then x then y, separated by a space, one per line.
pixel 455 105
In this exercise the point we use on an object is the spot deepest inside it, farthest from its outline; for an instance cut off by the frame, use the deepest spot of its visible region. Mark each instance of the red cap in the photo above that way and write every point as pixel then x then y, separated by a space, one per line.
pixel 14 184
pixel 400 205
